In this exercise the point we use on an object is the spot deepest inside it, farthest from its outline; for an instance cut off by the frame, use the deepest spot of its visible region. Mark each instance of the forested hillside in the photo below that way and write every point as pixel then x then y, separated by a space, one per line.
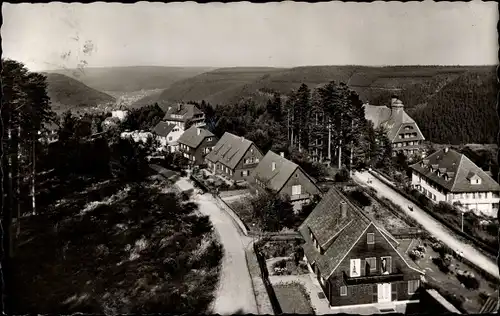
pixel 463 111
pixel 66 93
pixel 130 79
pixel 434 95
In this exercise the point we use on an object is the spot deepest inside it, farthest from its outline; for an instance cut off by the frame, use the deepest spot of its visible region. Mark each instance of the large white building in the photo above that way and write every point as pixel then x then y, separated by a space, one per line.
pixel 451 177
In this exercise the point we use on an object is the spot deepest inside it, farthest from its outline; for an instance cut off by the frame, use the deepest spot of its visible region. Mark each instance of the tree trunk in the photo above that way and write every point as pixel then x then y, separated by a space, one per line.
pixel 329 140
pixel 18 189
pixel 350 160
pixel 340 154
pixel 33 176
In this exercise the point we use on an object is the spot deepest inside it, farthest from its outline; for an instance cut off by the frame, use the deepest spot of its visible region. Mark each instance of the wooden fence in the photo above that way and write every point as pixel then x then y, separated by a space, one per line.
pixel 265 277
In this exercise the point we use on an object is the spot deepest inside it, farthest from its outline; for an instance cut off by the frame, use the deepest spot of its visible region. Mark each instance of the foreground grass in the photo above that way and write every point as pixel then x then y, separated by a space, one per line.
pixel 293 298
pixel 137 250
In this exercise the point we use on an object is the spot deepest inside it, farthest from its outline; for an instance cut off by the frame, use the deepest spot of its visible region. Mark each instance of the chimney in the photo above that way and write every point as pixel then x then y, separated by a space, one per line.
pixel 282 154
pixel 198 131
pixel 446 149
pixel 178 107
pixel 343 209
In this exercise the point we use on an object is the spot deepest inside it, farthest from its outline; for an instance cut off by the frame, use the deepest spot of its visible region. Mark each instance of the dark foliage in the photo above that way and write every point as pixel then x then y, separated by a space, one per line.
pixel 143 118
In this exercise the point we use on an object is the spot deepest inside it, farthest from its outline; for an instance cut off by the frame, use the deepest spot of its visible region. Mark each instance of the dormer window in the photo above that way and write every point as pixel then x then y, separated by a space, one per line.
pixel 438 173
pixel 273 166
pixel 446 178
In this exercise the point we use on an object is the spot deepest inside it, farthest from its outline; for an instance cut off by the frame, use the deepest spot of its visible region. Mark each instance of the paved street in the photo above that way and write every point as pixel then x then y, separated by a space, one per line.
pixel 235 292
pixel 428 222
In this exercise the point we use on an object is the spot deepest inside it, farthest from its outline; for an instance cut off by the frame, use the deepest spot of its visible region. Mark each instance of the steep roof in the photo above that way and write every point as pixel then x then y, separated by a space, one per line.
pixel 274 179
pixel 187 111
pixel 335 234
pixel 191 137
pixel 163 128
pixel 459 170
pixel 392 119
pixel 229 150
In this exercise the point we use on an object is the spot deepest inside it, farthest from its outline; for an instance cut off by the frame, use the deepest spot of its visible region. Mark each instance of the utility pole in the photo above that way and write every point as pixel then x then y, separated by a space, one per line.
pixel 340 153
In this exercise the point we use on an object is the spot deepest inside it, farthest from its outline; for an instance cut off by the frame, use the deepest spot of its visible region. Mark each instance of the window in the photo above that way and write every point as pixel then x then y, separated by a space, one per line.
pixel 343 290
pixel 273 166
pixel 413 286
pixel 251 150
pixel 370 238
pixel 256 160
pixel 371 264
pixel 355 270
pixel 169 138
pixel 296 189
pixel 244 173
pixel 386 265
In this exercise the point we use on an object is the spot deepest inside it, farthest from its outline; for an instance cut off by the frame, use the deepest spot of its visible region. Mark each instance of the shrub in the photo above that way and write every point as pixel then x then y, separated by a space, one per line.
pixel 361 197
pixel 468 279
pixel 443 265
pixel 416 254
pixel 342 175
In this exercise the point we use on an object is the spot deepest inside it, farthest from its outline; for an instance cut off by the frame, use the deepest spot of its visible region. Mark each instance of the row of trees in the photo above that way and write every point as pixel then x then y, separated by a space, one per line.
pixel 320 125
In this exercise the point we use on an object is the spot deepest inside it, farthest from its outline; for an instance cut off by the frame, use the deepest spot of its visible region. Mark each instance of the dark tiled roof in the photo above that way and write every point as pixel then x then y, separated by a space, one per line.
pixel 274 179
pixel 163 128
pixel 392 120
pixel 229 150
pixel 458 168
pixel 191 138
pixel 337 235
pixel 186 110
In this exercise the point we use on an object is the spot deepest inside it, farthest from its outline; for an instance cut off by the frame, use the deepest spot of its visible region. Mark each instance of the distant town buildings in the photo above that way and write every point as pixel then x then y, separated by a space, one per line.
pixel 355 261
pixel 185 116
pixel 449 176
pixel 234 157
pixel 195 143
pixel 284 177
pixel 119 114
pixel 402 130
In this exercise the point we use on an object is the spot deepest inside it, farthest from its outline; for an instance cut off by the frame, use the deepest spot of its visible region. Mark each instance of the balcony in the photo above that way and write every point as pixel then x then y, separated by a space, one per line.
pixel 298 197
pixel 373 279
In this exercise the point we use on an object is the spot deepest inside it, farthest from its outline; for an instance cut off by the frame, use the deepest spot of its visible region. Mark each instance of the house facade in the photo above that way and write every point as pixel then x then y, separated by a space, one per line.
pixel 282 176
pixel 234 157
pixel 448 176
pixel 195 143
pixel 355 261
pixel 402 130
pixel 168 135
pixel 184 116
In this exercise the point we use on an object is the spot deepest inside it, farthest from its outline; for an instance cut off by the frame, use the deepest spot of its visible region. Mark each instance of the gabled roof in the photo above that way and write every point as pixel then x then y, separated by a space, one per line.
pixel 277 178
pixel 191 138
pixel 459 169
pixel 392 119
pixel 186 110
pixel 163 128
pixel 335 234
pixel 229 150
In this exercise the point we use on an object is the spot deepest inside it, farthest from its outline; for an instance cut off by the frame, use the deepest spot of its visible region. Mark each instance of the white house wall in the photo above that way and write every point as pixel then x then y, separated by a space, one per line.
pixel 487 204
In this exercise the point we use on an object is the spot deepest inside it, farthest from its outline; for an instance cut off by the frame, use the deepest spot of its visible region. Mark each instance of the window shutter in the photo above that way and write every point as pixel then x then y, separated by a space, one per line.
pixel 394 288
pixel 374 293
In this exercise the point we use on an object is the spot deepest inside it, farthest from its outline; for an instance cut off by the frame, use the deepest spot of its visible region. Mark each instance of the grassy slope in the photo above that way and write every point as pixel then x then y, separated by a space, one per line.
pixel 67 93
pixel 132 78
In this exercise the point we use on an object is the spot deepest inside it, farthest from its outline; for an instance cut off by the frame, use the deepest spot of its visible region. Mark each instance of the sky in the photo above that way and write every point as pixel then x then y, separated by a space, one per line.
pixel 285 34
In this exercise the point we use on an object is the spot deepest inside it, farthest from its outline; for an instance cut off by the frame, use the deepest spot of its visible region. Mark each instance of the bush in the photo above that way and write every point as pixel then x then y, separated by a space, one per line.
pixel 342 176
pixel 361 197
pixel 416 254
pixel 442 264
pixel 468 279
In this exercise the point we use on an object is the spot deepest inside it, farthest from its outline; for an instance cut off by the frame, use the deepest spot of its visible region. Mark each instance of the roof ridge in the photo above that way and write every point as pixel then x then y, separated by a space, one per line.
pixel 457 172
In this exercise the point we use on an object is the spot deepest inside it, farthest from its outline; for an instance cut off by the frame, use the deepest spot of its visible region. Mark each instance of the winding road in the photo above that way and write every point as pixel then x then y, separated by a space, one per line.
pixel 429 223
pixel 235 292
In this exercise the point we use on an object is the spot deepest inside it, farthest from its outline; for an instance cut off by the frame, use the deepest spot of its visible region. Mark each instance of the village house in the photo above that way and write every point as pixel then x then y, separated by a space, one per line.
pixel 49 132
pixel 195 143
pixel 282 176
pixel 185 116
pixel 168 135
pixel 449 176
pixel 234 157
pixel 121 115
pixel 137 136
pixel 401 129
pixel 355 261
